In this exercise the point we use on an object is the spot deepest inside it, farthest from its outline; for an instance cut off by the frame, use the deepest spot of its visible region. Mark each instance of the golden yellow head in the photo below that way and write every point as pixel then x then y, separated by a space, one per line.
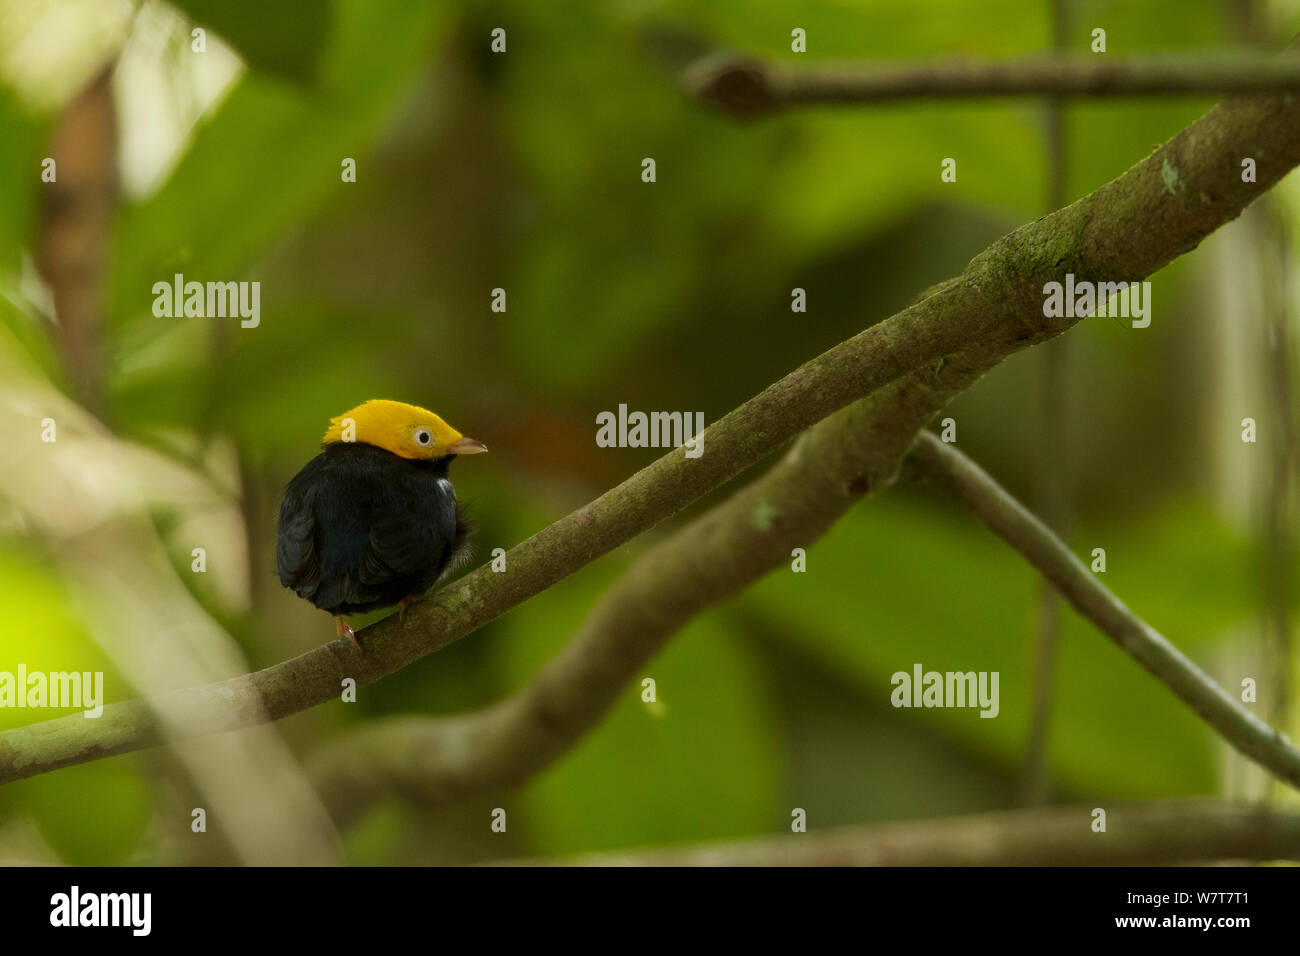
pixel 408 431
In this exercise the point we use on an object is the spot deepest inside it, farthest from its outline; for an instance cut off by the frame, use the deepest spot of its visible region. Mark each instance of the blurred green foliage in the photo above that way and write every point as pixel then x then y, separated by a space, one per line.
pixel 521 171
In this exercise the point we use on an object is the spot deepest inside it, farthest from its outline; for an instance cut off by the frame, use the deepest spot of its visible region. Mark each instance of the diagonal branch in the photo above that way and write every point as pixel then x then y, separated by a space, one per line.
pixel 748 87
pixel 1150 834
pixel 1159 209
pixel 432 761
pixel 954 472
pixel 441 759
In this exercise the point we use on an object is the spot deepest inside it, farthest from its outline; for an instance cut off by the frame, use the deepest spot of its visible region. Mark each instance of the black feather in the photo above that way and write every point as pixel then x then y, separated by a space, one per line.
pixel 361 528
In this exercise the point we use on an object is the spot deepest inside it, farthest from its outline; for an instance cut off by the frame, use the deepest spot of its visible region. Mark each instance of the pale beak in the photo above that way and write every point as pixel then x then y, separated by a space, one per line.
pixel 466 446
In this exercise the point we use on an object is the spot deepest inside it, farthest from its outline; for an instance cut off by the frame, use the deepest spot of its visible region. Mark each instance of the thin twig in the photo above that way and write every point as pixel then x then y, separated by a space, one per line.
pixel 948 468
pixel 747 86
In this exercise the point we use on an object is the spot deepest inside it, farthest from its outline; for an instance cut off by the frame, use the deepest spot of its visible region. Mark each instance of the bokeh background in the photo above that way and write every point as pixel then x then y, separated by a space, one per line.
pixel 522 171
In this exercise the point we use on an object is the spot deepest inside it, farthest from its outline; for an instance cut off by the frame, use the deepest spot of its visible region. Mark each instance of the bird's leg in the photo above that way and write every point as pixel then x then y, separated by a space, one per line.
pixel 345 630
pixel 402 605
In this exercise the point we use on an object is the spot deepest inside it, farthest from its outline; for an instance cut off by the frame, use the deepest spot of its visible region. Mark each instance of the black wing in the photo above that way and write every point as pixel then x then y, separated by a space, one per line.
pixel 410 537
pixel 361 529
pixel 295 547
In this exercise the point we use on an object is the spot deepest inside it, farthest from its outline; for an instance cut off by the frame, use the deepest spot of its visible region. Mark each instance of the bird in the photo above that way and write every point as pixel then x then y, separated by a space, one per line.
pixel 372 521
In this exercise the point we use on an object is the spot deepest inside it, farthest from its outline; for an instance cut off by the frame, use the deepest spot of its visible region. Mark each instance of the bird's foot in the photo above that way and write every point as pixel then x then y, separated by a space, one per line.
pixel 345 630
pixel 402 605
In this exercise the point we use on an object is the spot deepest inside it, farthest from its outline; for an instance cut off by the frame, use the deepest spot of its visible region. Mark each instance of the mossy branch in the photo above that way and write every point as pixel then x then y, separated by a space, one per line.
pixel 436 760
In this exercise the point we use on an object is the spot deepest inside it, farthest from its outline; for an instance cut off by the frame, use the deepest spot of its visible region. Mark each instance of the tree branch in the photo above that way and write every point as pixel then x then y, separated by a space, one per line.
pixel 437 760
pixel 748 87
pixel 1159 209
pixel 1151 834
pixel 954 472
pixel 432 761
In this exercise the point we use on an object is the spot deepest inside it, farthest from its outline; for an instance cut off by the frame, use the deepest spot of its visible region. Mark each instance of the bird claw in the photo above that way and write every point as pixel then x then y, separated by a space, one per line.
pixel 345 630
pixel 402 605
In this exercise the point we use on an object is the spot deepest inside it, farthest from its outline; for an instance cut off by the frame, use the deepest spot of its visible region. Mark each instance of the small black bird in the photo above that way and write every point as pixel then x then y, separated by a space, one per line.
pixel 372 520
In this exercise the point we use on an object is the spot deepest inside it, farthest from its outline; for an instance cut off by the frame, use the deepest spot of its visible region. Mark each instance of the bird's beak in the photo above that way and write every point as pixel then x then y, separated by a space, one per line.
pixel 466 446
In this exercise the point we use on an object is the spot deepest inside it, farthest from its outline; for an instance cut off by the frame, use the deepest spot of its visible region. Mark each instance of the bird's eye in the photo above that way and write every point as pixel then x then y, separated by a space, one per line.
pixel 423 437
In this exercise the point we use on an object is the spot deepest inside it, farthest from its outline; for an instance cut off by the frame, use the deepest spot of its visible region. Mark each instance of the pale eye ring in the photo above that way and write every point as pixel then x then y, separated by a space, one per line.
pixel 422 436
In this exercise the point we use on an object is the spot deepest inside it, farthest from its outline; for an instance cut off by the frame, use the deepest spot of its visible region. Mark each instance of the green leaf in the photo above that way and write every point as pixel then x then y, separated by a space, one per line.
pixel 21 136
pixel 43 636
pixel 284 38
pixel 268 157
